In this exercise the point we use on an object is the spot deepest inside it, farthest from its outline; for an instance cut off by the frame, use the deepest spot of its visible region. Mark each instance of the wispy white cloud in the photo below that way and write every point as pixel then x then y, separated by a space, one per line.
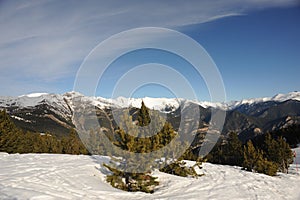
pixel 47 40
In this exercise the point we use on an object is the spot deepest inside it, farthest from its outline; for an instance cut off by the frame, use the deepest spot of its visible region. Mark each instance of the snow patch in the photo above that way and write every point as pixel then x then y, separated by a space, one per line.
pixel 20 119
pixel 34 95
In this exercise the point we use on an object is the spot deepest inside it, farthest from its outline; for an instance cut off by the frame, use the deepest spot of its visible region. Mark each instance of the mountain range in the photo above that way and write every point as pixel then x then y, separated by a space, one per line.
pixel 53 113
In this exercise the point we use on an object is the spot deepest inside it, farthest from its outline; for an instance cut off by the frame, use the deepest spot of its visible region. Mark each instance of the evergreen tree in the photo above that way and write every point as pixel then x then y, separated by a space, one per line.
pixel 229 153
pixel 285 155
pixel 270 147
pixel 131 182
pixel 6 124
pixel 250 156
pixel 278 151
pixel 264 166
pixel 233 150
pixel 143 116
pixel 143 140
pixel 72 144
pixel 254 160
pixel 178 168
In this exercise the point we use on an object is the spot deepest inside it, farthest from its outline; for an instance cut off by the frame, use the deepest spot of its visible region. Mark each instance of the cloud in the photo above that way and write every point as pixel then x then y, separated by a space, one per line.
pixel 47 40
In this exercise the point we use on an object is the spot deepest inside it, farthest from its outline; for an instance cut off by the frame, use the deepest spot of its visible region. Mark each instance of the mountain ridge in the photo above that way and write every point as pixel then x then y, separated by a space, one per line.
pixel 30 100
pixel 53 113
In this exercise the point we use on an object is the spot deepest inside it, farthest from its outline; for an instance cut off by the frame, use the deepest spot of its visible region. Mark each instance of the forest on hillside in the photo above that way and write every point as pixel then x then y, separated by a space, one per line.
pixel 15 140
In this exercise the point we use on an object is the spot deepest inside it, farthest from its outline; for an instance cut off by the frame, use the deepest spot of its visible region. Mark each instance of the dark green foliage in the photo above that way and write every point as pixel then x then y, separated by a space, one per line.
pixel 143 116
pixel 291 134
pixel 190 155
pixel 254 160
pixel 14 140
pixel 278 151
pixel 267 155
pixel 142 141
pixel 266 167
pixel 233 150
pixel 144 144
pixel 250 156
pixel 131 182
pixel 71 144
pixel 6 124
pixel 178 168
pixel 230 153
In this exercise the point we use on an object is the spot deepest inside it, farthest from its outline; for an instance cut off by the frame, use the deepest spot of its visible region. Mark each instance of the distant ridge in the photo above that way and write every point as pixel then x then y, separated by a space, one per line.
pixel 43 112
pixel 34 99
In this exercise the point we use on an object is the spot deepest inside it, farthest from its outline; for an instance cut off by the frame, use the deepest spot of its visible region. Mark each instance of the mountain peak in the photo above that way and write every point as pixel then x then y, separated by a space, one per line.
pixel 34 94
pixel 289 96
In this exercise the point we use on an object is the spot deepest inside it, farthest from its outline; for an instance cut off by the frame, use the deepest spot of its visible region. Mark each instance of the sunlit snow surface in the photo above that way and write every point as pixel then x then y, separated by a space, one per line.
pixel 50 176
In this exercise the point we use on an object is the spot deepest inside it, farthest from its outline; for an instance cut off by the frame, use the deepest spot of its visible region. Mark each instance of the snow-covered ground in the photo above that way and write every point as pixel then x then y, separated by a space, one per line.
pixel 49 176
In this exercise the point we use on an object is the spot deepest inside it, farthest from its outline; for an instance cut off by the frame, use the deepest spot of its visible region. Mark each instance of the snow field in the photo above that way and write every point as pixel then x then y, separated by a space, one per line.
pixel 55 176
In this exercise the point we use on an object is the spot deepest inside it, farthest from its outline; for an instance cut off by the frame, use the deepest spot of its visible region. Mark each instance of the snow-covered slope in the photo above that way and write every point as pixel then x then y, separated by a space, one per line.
pixel 161 104
pixel 234 104
pixel 56 101
pixel 46 176
pixel 276 98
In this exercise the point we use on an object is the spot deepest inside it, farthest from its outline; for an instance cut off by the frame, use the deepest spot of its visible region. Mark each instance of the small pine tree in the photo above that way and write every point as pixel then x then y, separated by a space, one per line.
pixel 285 155
pixel 131 182
pixel 254 160
pixel 143 116
pixel 250 156
pixel 233 150
pixel 266 167
pixel 279 152
pixel 178 168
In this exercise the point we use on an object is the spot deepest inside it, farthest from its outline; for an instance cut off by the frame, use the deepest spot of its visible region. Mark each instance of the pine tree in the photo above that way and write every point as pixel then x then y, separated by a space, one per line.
pixel 230 153
pixel 72 144
pixel 143 116
pixel 279 152
pixel 270 147
pixel 178 168
pixel 250 156
pixel 254 160
pixel 285 155
pixel 6 124
pixel 143 140
pixel 234 150
pixel 264 166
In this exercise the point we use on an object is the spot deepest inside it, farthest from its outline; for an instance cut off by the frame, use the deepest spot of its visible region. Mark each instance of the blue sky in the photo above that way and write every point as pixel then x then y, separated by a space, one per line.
pixel 255 44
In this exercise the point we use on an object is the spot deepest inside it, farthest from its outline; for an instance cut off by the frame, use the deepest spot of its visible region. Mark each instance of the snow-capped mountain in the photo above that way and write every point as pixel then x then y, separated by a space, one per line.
pixel 53 113
pixel 235 104
pixel 64 101
pixel 60 106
